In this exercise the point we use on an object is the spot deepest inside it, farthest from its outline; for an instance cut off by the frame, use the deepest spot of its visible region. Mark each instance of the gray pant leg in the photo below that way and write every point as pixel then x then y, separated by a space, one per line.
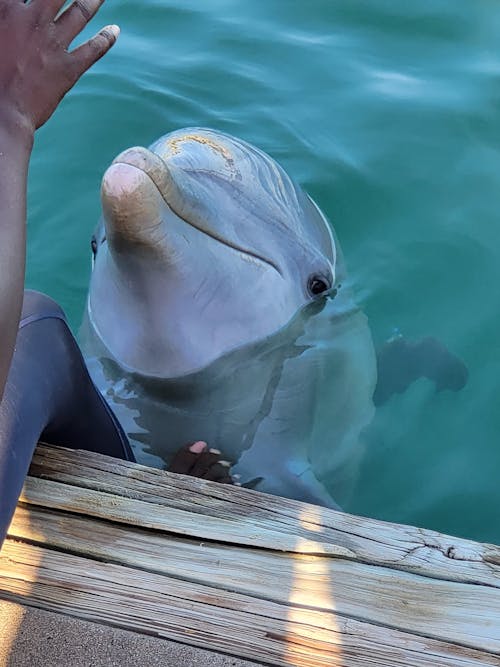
pixel 49 396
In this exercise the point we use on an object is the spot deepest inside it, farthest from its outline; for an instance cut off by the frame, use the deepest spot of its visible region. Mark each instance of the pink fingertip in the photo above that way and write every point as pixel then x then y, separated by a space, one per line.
pixel 198 447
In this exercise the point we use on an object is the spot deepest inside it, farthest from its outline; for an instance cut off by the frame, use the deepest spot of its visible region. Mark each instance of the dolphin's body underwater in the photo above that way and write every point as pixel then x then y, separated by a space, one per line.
pixel 219 310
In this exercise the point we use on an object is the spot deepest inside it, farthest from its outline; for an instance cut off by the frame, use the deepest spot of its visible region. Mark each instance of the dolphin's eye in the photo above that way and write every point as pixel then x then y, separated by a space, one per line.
pixel 317 285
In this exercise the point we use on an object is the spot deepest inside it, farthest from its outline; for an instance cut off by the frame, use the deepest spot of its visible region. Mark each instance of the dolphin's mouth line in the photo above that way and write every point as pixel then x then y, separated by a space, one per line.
pixel 233 246
pixel 210 234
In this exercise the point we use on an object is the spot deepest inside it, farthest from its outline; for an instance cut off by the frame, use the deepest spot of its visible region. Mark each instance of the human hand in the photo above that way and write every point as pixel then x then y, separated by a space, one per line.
pixel 197 460
pixel 36 69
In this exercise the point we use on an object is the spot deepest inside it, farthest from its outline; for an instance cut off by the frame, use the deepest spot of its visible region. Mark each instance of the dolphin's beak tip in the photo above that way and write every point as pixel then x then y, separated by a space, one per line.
pixel 120 180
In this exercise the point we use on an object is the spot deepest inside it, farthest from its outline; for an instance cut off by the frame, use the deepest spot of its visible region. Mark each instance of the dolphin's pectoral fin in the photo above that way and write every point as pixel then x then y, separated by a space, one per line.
pixel 197 460
pixel 401 362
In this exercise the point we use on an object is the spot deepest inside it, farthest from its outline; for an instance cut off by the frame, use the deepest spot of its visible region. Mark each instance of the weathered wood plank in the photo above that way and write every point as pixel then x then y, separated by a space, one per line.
pixel 379 595
pixel 184 611
pixel 402 547
pixel 258 576
pixel 243 530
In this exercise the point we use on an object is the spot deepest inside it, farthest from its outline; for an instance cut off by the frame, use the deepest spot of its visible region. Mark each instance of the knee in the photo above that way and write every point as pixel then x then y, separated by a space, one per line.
pixel 36 304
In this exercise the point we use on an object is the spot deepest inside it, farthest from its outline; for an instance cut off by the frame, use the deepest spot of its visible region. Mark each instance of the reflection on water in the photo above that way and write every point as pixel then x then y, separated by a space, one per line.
pixel 387 113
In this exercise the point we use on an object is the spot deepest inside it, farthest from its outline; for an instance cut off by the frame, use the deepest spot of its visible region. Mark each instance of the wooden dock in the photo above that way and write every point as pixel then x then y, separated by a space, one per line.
pixel 258 577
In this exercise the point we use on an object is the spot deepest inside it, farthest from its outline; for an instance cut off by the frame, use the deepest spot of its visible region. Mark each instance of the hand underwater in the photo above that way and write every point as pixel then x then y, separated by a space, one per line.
pixel 197 460
pixel 36 69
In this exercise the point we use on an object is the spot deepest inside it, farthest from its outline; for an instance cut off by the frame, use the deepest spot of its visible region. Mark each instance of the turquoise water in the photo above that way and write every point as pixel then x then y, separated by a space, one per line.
pixel 389 115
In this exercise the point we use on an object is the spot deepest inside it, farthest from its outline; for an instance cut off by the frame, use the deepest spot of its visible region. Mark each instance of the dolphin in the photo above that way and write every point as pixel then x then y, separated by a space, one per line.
pixel 219 309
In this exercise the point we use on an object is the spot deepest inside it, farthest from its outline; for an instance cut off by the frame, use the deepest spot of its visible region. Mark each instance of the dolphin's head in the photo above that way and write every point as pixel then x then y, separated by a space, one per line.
pixel 206 245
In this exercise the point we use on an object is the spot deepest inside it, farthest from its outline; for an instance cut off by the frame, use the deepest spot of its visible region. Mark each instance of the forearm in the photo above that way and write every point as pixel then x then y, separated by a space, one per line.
pixel 16 141
pixel 36 71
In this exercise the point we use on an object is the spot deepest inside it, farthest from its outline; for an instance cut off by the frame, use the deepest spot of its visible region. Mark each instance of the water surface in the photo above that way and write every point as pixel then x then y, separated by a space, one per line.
pixel 389 115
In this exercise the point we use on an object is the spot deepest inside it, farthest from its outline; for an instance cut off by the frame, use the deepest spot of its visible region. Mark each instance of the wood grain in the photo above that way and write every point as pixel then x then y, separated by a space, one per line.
pixel 248 627
pixel 406 547
pixel 234 570
pixel 433 608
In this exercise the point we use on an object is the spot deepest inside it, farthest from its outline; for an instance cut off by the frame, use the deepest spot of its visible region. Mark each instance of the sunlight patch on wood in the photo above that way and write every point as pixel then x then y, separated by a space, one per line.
pixel 303 597
pixel 310 518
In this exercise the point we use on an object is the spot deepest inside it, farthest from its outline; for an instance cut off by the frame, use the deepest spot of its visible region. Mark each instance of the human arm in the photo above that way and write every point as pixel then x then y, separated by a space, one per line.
pixel 36 71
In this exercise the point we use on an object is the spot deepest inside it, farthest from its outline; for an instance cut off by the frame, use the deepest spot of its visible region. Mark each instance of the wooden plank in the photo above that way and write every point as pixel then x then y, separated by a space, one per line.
pixel 257 576
pixel 243 530
pixel 391 545
pixel 184 611
pixel 378 595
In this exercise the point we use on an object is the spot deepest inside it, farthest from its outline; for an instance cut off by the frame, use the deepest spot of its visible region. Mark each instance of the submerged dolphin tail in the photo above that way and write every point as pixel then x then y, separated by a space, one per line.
pixel 401 362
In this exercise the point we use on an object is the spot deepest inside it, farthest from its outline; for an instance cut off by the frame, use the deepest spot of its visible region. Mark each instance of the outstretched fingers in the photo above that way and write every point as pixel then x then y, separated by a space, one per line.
pixel 87 54
pixel 72 21
pixel 36 69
